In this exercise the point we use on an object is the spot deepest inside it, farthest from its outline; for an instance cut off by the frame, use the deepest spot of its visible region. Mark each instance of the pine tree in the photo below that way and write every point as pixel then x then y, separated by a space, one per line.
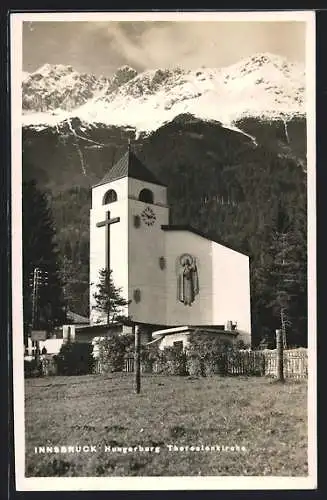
pixel 40 251
pixel 287 273
pixel 109 299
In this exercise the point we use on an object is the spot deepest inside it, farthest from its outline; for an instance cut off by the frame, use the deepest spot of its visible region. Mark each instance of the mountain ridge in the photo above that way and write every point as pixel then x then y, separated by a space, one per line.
pixel 263 85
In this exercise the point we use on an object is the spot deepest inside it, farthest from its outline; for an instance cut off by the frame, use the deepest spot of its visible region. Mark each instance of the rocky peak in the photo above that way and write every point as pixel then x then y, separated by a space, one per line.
pixel 123 75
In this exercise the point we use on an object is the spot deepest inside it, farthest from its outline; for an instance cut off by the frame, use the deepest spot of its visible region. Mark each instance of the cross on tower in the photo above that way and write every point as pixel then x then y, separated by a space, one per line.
pixel 107 223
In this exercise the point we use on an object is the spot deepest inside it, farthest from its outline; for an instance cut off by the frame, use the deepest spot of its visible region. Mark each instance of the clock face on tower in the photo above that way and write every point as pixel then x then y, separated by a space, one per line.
pixel 148 216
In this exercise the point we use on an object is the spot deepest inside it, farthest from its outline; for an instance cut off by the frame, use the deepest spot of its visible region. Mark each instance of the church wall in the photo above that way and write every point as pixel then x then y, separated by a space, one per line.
pixel 118 237
pixel 231 289
pixel 119 249
pixel 200 312
pixel 146 246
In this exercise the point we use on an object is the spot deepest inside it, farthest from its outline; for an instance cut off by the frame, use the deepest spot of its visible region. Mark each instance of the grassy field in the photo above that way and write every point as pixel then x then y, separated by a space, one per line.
pixel 267 419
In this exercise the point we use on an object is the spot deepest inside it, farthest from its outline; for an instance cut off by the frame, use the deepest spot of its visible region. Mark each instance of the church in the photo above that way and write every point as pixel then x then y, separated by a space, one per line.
pixel 175 279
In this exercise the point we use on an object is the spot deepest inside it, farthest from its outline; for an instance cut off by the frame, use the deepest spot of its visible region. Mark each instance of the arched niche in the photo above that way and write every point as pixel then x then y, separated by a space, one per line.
pixel 109 197
pixel 146 195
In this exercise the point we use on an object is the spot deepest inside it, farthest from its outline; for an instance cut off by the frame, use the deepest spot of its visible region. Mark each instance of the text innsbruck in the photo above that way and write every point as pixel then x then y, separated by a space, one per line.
pixel 88 448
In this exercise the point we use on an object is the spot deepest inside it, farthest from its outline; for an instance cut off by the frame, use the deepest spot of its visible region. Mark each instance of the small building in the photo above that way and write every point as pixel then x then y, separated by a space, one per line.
pixel 179 336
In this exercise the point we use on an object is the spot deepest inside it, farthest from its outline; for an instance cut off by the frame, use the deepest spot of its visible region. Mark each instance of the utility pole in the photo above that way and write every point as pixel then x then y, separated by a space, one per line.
pixel 283 321
pixel 280 356
pixel 40 278
pixel 137 359
pixel 35 294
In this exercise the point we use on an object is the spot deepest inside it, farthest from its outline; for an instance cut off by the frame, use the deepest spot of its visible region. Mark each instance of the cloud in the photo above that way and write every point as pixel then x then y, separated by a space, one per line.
pixel 194 44
pixel 101 47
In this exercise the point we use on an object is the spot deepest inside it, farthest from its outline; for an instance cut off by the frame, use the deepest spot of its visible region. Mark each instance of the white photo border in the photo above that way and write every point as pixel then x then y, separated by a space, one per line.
pixel 151 483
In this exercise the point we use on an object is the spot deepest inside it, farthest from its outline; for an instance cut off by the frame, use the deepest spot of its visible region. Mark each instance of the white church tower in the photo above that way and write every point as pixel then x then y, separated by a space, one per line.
pixel 129 208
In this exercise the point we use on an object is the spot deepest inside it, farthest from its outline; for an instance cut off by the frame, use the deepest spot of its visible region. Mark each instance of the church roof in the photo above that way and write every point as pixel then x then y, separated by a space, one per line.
pixel 129 166
pixel 185 227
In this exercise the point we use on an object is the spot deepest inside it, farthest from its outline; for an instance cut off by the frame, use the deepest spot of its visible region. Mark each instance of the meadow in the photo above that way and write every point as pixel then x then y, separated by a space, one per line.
pixel 221 426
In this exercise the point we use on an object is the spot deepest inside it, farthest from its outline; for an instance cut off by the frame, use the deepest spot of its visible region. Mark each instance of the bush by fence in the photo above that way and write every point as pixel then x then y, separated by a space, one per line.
pixel 246 363
pixel 43 365
pixel 49 365
pixel 170 361
pixel 205 355
pixel 201 358
pixel 112 352
pixel 32 368
pixel 75 359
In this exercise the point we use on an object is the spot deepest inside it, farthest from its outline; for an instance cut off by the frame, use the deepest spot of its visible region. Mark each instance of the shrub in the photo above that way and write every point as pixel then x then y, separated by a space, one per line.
pixel 195 365
pixel 169 361
pixel 240 345
pixel 148 357
pixel 175 361
pixel 75 359
pixel 112 352
pixel 32 368
pixel 49 366
pixel 207 354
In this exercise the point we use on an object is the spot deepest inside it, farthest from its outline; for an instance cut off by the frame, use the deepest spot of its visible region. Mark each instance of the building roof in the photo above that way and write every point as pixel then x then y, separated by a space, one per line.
pixel 129 166
pixel 185 227
pixel 205 329
pixel 77 318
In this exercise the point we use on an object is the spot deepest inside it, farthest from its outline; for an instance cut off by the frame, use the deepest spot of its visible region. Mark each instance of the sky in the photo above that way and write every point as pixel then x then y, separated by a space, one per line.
pixel 102 47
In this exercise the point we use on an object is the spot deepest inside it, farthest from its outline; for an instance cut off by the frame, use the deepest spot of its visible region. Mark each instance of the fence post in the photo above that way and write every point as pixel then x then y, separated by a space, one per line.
pixel 137 360
pixel 280 356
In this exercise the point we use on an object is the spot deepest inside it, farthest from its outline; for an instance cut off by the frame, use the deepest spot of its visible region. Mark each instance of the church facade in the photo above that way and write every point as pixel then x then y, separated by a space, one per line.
pixel 171 275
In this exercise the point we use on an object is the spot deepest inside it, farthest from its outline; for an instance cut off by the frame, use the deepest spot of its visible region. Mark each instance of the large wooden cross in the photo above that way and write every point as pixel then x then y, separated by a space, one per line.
pixel 107 223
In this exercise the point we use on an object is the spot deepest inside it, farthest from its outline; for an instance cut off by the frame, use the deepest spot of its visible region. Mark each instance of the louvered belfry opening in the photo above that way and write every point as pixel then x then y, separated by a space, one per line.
pixel 110 197
pixel 146 196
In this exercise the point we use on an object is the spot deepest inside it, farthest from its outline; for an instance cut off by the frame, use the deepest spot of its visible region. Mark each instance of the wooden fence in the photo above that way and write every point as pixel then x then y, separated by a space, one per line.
pixel 245 363
pixel 295 363
pixel 129 365
pixel 258 363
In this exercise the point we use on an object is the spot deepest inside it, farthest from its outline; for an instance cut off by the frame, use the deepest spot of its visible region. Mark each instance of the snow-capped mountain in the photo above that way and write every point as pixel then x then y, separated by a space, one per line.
pixel 264 85
pixel 58 87
pixel 54 87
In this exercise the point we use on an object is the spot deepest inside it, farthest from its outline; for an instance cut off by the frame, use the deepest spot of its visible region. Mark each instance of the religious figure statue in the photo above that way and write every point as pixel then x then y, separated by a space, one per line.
pixel 187 280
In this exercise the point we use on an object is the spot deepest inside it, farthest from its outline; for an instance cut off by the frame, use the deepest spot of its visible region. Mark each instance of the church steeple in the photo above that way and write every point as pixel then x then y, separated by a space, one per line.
pixel 129 207
pixel 129 165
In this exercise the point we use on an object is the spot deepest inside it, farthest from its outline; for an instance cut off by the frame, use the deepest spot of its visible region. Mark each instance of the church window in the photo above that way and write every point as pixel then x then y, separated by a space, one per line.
pixel 178 344
pixel 137 295
pixel 146 195
pixel 109 197
pixel 162 263
pixel 137 221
